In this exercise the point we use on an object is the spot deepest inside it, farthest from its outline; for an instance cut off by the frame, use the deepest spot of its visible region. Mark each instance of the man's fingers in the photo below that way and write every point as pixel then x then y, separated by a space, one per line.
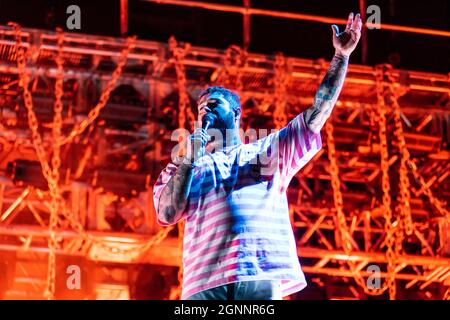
pixel 356 21
pixel 349 21
pixel 335 29
pixel 200 134
pixel 360 23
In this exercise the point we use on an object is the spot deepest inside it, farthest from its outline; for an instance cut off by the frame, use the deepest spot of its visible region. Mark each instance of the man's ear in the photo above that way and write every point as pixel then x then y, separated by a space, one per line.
pixel 237 115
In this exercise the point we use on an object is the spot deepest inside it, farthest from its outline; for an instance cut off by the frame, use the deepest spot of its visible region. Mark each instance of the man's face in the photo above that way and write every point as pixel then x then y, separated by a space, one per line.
pixel 217 105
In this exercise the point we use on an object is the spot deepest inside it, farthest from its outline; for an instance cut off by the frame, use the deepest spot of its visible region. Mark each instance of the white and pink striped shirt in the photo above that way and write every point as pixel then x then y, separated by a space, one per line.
pixel 237 218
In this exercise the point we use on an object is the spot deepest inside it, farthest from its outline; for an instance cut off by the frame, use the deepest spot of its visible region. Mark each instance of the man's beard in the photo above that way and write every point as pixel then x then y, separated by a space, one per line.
pixel 224 123
pixel 224 126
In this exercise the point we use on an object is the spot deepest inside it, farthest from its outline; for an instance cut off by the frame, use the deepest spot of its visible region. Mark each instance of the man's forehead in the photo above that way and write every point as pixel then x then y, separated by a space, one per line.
pixel 214 95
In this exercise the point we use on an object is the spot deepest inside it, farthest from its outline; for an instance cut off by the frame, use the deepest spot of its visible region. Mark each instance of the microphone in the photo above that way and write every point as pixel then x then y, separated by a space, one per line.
pixel 207 121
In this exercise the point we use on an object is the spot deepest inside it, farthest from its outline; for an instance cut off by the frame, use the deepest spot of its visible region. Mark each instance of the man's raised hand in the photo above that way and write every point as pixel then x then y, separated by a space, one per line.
pixel 345 42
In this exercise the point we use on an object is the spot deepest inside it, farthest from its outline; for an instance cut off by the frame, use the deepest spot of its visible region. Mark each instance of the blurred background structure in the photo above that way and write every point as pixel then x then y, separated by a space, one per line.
pixel 86 118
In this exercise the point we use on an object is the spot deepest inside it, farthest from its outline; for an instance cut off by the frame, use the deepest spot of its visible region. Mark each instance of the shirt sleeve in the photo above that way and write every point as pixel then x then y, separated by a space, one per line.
pixel 297 146
pixel 161 182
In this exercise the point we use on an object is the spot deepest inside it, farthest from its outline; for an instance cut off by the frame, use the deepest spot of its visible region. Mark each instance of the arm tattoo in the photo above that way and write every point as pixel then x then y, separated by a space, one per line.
pixel 174 196
pixel 327 94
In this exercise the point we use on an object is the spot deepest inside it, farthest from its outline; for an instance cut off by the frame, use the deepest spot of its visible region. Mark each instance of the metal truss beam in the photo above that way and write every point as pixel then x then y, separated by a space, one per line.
pixel 291 15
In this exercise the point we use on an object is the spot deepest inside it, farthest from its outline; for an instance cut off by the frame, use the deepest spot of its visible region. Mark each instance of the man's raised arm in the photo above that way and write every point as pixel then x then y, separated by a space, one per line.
pixel 331 86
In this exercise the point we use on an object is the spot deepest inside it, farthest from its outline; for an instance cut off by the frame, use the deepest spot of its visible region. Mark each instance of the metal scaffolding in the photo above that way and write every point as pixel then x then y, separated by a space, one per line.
pixel 247 11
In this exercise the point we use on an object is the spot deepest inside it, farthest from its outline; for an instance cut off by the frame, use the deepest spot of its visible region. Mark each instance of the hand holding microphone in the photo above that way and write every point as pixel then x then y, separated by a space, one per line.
pixel 200 138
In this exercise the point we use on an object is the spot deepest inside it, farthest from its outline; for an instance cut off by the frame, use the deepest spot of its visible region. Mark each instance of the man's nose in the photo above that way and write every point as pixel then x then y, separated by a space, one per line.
pixel 205 109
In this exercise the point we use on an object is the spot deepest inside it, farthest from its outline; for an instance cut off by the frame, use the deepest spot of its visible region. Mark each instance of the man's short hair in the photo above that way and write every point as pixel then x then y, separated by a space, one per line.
pixel 230 96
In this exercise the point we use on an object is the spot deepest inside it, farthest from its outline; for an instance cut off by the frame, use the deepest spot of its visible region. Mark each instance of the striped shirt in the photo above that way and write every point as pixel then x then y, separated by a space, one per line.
pixel 237 218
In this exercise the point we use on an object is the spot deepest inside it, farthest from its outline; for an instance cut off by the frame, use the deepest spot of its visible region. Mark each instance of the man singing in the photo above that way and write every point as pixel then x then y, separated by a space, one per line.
pixel 238 242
